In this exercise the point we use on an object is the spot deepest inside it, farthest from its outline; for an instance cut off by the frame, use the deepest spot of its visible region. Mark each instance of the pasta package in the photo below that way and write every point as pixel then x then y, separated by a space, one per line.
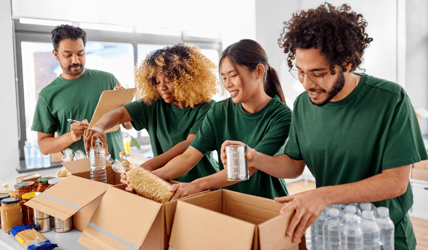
pixel 63 172
pixel 31 239
pixel 149 185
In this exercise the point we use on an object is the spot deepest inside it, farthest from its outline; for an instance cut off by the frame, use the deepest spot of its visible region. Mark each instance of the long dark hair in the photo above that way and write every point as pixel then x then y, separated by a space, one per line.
pixel 249 53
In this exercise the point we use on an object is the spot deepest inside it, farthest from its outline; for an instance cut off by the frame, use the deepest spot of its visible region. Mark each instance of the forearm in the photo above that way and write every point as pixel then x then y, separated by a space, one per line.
pixel 281 166
pixel 214 181
pixel 112 118
pixel 164 158
pixel 50 145
pixel 179 165
pixel 383 186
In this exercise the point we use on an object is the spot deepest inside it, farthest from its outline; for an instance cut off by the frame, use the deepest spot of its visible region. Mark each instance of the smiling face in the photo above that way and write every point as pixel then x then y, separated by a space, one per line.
pixel 327 87
pixel 71 57
pixel 165 89
pixel 241 84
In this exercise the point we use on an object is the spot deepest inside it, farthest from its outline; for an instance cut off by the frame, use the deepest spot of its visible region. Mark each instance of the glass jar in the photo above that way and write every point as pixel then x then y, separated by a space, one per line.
pixel 21 188
pixel 31 186
pixel 27 212
pixel 54 181
pixel 3 196
pixel 11 213
pixel 43 184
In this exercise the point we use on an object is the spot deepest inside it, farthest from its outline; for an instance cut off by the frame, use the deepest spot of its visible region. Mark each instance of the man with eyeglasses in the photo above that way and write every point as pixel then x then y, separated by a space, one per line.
pixel 357 134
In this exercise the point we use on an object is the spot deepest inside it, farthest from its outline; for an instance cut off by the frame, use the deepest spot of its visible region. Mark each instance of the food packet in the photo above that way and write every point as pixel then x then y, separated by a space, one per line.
pixel 31 239
pixel 149 185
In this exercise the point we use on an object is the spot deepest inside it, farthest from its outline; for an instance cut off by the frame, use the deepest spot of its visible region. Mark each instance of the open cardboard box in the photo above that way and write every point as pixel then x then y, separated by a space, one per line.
pixel 126 220
pixel 225 219
pixel 73 196
pixel 82 168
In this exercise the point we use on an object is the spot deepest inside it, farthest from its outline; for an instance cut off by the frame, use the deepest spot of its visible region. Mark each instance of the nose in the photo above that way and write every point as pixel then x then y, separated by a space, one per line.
pixel 228 83
pixel 75 59
pixel 307 83
pixel 162 85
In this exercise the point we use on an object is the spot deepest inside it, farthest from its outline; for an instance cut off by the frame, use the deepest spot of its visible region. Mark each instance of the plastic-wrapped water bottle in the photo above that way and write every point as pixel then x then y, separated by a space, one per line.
pixel 332 227
pixel 352 236
pixel 314 233
pixel 28 153
pixel 46 160
pixel 317 233
pixel 37 155
pixel 386 227
pixel 98 163
pixel 371 232
pixel 358 210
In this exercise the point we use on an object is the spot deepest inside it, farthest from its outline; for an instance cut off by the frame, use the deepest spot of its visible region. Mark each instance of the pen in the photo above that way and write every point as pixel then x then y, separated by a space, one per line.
pixel 71 120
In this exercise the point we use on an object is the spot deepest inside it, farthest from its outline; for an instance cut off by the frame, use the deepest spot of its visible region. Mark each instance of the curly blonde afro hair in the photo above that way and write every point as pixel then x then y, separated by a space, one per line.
pixel 191 74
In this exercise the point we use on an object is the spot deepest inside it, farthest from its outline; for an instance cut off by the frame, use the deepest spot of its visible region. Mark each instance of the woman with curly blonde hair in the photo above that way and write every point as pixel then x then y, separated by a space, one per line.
pixel 175 85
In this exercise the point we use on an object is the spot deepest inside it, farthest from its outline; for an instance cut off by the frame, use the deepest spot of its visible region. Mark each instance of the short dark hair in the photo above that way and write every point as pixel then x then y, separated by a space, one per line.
pixel 65 31
pixel 338 32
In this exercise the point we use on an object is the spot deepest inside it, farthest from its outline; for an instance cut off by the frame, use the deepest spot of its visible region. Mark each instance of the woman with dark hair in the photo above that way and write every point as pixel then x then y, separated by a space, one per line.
pixel 175 85
pixel 255 114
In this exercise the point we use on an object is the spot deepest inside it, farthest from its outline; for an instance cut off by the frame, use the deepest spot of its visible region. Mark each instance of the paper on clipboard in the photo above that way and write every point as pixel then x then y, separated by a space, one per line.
pixel 109 100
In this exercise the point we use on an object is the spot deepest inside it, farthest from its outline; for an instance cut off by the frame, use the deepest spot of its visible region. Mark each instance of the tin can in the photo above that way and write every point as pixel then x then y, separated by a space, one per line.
pixel 62 226
pixel 237 165
pixel 42 221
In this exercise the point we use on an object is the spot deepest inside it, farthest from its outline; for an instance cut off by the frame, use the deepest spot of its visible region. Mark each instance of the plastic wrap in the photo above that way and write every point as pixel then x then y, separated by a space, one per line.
pixel 31 239
pixel 149 185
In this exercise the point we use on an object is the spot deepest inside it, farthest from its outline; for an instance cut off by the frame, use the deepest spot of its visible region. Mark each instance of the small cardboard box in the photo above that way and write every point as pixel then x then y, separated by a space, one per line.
pixel 73 196
pixel 125 220
pixel 82 168
pixel 225 219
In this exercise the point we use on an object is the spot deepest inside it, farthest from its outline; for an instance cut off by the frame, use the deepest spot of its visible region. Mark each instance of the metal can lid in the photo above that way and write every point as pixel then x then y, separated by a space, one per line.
pixel 55 180
pixel 21 185
pixel 30 183
pixel 29 195
pixel 45 179
pixel 10 200
pixel 4 196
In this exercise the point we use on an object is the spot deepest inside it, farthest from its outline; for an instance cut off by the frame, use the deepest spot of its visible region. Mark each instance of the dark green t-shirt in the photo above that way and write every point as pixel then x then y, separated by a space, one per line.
pixel 374 128
pixel 74 99
pixel 168 125
pixel 265 131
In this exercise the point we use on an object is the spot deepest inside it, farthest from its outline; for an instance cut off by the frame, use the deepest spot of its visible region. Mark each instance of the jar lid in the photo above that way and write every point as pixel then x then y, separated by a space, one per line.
pixel 45 179
pixel 4 196
pixel 30 183
pixel 122 153
pixel 10 200
pixel 55 180
pixel 21 185
pixel 29 195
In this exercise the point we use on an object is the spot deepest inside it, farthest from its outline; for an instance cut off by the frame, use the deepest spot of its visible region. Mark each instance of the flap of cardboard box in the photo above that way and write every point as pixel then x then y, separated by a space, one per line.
pixel 199 228
pixel 272 233
pixel 67 197
pixel 122 220
pixel 80 166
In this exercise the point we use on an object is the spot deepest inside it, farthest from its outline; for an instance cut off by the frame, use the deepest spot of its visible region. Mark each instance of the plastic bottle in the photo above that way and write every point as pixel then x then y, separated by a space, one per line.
pixel 358 210
pixel 371 231
pixel 98 163
pixel 37 155
pixel 332 228
pixel 352 236
pixel 46 160
pixel 386 227
pixel 29 160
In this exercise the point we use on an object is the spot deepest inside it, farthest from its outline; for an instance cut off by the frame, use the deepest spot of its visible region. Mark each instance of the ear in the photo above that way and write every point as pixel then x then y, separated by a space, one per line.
pixel 55 54
pixel 260 70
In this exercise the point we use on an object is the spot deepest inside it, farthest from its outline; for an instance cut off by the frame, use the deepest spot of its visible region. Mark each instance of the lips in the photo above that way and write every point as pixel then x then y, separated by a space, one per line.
pixel 234 93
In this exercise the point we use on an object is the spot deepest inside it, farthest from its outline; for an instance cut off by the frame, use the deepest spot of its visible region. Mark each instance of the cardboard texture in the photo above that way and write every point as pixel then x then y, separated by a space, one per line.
pixel 225 219
pixel 82 168
pixel 109 100
pixel 72 196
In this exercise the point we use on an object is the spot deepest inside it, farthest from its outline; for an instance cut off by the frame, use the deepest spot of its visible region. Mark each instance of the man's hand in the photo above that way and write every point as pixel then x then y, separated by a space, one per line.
pixel 251 154
pixel 118 86
pixel 90 137
pixel 308 206
pixel 184 189
pixel 78 128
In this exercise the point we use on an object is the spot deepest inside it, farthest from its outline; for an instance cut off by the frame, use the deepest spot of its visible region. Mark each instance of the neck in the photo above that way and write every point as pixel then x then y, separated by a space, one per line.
pixel 256 103
pixel 351 82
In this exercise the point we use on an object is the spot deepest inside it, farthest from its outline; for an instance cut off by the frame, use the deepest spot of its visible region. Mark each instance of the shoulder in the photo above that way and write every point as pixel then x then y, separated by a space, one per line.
pixel 387 88
pixel 99 73
pixel 50 89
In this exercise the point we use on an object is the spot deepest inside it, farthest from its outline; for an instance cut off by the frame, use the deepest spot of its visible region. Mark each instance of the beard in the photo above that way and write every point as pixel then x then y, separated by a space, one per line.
pixel 337 87
pixel 69 70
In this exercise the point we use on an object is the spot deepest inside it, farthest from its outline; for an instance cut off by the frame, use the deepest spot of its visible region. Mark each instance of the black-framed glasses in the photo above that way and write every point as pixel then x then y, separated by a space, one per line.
pixel 315 76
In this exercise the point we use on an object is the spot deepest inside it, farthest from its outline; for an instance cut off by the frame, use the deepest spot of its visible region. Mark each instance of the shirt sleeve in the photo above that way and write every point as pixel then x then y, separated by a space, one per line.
pixel 276 134
pixel 404 144
pixel 43 120
pixel 205 139
pixel 292 147
pixel 202 111
pixel 138 111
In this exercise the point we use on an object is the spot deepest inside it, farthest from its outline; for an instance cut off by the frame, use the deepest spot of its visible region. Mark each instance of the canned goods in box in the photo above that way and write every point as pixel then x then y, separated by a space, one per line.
pixel 236 164
pixel 62 226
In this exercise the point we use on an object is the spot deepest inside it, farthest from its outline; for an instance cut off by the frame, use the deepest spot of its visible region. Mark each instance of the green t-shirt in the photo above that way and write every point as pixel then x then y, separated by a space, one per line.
pixel 74 99
pixel 372 129
pixel 265 131
pixel 168 125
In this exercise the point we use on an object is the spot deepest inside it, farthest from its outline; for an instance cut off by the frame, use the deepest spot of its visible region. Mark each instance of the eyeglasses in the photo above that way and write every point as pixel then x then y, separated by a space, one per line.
pixel 314 76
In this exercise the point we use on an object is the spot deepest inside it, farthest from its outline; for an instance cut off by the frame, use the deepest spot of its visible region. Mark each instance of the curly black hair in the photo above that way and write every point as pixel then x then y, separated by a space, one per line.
pixel 65 31
pixel 338 32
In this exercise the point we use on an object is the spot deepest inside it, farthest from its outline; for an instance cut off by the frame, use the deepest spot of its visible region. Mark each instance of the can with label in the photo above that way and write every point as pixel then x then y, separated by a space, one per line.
pixel 236 164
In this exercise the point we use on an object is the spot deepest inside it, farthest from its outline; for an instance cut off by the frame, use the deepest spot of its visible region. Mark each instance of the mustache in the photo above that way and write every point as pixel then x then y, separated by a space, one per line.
pixel 315 90
pixel 74 65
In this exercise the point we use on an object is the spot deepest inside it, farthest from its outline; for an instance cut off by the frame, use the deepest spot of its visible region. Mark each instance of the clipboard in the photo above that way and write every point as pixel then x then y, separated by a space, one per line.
pixel 109 100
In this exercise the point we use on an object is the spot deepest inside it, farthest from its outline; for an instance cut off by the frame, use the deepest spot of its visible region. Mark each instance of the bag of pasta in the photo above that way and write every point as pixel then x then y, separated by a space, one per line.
pixel 149 185
pixel 30 238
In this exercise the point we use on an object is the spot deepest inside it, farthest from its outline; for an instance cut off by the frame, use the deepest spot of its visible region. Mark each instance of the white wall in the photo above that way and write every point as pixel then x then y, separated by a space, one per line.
pixel 9 154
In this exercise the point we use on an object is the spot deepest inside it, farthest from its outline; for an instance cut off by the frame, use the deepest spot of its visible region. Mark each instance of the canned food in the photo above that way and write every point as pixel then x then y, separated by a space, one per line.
pixel 236 164
pixel 62 226
pixel 42 221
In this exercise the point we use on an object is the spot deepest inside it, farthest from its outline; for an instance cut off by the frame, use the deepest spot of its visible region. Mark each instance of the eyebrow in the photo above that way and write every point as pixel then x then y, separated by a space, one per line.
pixel 67 51
pixel 229 72
pixel 316 69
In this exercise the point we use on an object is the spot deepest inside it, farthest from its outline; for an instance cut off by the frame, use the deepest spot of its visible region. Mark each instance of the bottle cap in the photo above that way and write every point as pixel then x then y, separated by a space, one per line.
pixel 333 212
pixel 383 211
pixel 10 200
pixel 28 196
pixel 366 206
pixel 55 180
pixel 350 209
pixel 45 179
pixel 368 215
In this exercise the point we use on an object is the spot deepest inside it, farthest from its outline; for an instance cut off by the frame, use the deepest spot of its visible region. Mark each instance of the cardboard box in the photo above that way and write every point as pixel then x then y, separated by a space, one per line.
pixel 125 220
pixel 419 174
pixel 82 168
pixel 73 196
pixel 225 219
